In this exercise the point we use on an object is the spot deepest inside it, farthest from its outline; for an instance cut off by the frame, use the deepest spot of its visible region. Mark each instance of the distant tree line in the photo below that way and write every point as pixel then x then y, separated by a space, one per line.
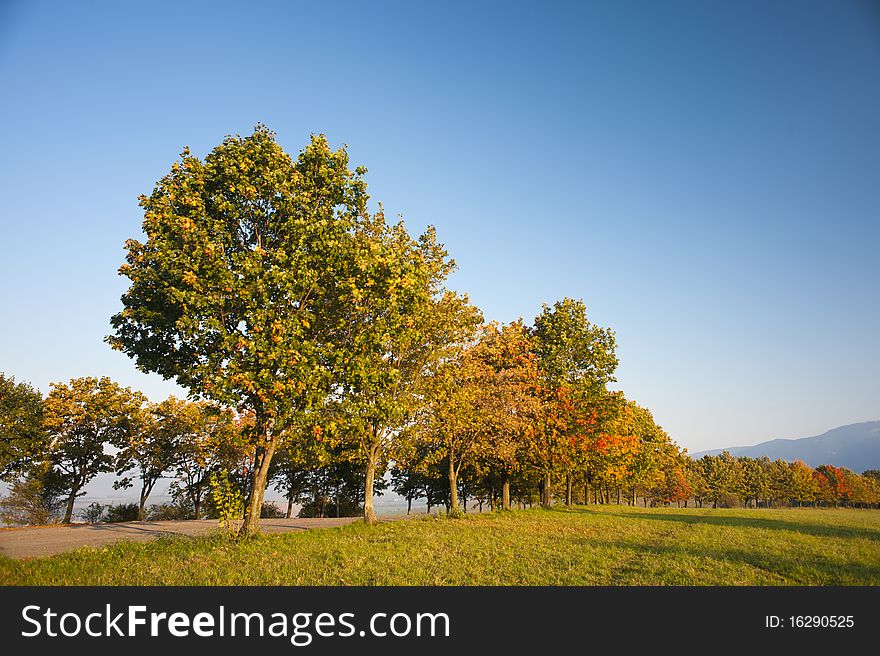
pixel 727 481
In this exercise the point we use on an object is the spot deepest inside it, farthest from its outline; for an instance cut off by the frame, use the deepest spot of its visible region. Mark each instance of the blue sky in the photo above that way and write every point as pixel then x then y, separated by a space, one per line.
pixel 705 175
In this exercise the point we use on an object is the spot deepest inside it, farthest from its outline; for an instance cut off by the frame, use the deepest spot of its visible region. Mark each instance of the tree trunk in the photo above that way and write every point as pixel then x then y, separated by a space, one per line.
pixel 618 496
pixel 547 492
pixel 505 492
pixel 259 475
pixel 568 490
pixel 453 487
pixel 634 495
pixel 408 504
pixel 68 514
pixel 586 493
pixel 141 505
pixel 372 461
pixel 146 488
pixel 289 506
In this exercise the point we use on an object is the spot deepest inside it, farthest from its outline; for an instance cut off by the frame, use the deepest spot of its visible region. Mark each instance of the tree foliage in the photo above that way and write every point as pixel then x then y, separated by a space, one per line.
pixel 22 434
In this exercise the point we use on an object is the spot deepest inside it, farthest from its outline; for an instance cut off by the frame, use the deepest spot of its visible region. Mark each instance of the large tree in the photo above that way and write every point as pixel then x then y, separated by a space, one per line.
pixel 233 291
pixel 23 439
pixel 84 417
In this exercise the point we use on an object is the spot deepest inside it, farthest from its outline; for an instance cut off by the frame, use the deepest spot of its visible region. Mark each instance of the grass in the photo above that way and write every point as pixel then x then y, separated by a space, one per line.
pixel 595 545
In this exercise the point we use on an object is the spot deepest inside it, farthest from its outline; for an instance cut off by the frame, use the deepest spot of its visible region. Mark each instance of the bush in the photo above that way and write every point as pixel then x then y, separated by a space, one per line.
pixel 271 510
pixel 170 511
pixel 228 500
pixel 93 514
pixel 122 512
pixel 326 507
pixel 31 501
pixel 729 501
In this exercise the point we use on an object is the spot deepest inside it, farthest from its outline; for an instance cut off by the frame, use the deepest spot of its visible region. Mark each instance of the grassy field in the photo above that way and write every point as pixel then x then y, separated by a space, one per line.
pixel 596 545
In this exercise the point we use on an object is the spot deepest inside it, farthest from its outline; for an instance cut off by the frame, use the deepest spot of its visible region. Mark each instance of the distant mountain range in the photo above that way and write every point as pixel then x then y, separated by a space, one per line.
pixel 856 447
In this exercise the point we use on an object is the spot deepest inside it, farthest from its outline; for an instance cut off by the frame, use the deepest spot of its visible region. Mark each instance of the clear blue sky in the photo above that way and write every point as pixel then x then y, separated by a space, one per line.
pixel 705 175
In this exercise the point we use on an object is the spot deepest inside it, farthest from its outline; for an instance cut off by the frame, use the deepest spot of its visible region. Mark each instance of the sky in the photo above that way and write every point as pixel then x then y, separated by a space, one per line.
pixel 704 175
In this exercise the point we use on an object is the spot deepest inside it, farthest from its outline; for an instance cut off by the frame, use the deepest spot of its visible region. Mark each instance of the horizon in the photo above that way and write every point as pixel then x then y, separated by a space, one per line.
pixel 703 175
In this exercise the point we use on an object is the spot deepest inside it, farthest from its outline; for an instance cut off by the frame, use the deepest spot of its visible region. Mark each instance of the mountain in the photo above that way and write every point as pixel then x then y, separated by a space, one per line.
pixel 856 447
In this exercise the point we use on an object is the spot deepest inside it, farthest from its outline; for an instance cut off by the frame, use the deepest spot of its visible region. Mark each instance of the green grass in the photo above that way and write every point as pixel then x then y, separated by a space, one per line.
pixel 596 545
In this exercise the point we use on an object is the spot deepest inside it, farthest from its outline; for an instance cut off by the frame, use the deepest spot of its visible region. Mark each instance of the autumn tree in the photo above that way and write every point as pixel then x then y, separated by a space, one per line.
pixel 507 351
pixel 655 452
pixel 153 447
pixel 803 484
pixel 723 477
pixel 466 405
pixel 756 478
pixel 396 322
pixel 838 481
pixel 83 417
pixel 233 291
pixel 576 359
pixel 23 439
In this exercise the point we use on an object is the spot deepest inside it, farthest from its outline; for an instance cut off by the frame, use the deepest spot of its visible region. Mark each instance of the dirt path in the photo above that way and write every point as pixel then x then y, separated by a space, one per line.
pixel 51 540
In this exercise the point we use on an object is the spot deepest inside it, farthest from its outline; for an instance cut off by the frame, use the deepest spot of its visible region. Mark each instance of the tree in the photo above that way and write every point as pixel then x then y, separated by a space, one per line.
pixel 290 474
pixel 208 439
pixel 233 292
pixel 723 477
pixel 34 499
pixel 152 448
pixel 838 481
pixel 803 485
pixel 576 359
pixel 82 417
pixel 23 439
pixel 508 351
pixel 408 484
pixel 464 408
pixel 397 322
pixel 756 478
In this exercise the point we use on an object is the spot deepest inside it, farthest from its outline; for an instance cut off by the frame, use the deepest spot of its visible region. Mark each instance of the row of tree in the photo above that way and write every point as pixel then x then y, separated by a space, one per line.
pixel 266 285
pixel 320 345
pixel 467 447
pixel 729 481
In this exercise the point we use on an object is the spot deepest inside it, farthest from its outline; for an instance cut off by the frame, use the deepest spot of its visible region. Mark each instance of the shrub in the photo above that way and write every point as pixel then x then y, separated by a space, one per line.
pixel 271 510
pixel 93 514
pixel 228 500
pixel 170 511
pixel 122 512
pixel 31 500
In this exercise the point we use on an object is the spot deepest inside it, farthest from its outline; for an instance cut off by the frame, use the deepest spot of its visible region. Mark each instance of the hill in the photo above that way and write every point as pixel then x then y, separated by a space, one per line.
pixel 856 447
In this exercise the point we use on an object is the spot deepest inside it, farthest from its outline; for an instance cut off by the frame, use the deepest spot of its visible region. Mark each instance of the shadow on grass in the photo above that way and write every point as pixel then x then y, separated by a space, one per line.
pixel 774 524
pixel 785 571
